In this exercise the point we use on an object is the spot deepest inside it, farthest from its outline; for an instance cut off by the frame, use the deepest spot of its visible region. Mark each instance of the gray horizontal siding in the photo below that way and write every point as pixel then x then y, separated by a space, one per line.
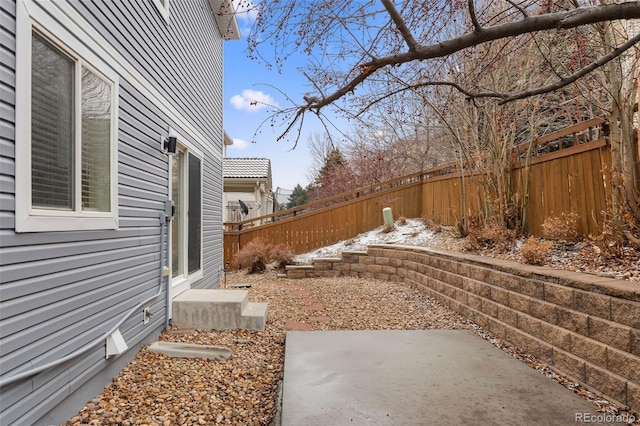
pixel 7 128
pixel 62 290
pixel 7 115
pixel 80 320
pixel 53 252
pixel 10 239
pixel 211 223
pixel 160 49
pixel 46 295
pixel 7 183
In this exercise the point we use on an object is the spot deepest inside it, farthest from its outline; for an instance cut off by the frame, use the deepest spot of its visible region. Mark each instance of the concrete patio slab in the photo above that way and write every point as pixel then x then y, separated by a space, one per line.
pixel 422 377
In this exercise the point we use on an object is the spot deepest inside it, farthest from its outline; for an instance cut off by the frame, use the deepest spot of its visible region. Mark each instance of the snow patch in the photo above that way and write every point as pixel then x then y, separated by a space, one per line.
pixel 412 233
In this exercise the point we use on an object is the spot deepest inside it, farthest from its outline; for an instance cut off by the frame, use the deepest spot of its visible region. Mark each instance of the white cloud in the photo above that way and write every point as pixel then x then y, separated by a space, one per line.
pixel 239 144
pixel 252 100
pixel 246 11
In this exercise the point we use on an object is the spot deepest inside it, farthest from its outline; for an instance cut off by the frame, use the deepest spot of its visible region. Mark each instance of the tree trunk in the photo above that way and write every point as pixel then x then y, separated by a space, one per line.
pixel 624 149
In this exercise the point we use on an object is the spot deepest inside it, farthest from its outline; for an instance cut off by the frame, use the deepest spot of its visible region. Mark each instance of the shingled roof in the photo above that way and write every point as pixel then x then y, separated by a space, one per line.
pixel 255 168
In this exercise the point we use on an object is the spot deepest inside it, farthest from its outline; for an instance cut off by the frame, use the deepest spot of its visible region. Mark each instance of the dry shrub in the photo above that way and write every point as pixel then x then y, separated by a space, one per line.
pixel 469 225
pixel 564 228
pixel 258 253
pixel 491 236
pixel 254 256
pixel 401 221
pixel 534 250
pixel 611 241
pixel 282 255
pixel 432 224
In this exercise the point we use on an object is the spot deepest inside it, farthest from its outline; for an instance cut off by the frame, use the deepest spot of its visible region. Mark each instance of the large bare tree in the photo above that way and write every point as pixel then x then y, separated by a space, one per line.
pixel 360 54
pixel 350 43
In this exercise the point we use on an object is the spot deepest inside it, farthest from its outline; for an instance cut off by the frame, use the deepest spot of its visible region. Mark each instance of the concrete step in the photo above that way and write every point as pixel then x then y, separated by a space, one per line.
pixel 254 317
pixel 218 310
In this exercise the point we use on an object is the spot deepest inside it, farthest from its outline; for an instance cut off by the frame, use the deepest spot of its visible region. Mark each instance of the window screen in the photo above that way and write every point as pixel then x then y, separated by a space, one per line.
pixel 194 214
pixel 52 153
pixel 96 137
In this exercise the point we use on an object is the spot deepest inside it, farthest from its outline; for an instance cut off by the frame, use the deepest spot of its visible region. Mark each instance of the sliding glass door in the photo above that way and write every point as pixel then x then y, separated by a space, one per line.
pixel 186 227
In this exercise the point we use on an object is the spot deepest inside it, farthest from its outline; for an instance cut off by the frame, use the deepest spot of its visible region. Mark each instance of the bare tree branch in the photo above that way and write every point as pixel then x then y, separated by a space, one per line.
pixel 400 24
pixel 559 20
pixel 506 97
pixel 575 76
pixel 474 19
pixel 520 9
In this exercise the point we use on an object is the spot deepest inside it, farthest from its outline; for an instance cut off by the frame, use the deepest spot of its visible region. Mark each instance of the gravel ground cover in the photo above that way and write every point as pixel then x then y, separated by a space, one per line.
pixel 157 390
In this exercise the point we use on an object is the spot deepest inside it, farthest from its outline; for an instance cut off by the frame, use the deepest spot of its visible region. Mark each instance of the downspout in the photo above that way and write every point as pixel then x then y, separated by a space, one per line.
pixel 5 381
pixel 163 263
pixel 164 220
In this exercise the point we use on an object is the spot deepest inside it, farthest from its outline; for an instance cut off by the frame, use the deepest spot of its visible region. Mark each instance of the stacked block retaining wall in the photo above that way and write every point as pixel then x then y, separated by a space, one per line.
pixel 584 326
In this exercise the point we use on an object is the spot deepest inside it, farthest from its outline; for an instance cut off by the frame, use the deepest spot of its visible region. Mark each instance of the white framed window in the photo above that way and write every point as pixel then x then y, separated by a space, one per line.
pixel 66 135
pixel 186 226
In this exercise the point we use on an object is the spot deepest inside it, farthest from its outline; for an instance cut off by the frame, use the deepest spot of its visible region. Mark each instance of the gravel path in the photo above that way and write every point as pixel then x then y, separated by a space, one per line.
pixel 156 390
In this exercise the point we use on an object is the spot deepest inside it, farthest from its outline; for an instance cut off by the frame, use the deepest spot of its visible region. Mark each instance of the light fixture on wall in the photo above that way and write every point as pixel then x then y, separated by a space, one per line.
pixel 170 144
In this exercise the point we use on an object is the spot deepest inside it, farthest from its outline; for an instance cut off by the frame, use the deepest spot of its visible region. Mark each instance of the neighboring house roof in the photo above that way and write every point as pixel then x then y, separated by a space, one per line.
pixel 253 168
pixel 227 139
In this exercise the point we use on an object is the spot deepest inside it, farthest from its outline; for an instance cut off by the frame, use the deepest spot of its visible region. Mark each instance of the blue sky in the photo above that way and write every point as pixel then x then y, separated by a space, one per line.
pixel 249 86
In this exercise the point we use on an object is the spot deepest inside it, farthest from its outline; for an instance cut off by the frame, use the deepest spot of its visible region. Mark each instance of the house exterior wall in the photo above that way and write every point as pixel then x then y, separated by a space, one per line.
pixel 61 292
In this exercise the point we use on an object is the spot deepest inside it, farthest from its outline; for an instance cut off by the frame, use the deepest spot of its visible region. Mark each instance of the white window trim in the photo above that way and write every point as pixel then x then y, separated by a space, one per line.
pixel 163 8
pixel 183 282
pixel 29 219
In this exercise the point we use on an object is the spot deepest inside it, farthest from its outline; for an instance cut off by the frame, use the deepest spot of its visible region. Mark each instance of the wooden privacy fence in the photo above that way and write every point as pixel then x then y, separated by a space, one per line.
pixel 563 172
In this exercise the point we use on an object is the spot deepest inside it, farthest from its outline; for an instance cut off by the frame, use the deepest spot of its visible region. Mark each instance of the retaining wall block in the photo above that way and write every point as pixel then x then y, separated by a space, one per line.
pixel 479 288
pixel 571 364
pixel 589 350
pixel 540 349
pixel 531 287
pixel 352 256
pixel 495 326
pixel 633 395
pixel 323 264
pixel 592 303
pixel 635 341
pixel 606 382
pixel 478 273
pixel 344 267
pixel 507 315
pixel 543 310
pixel 519 302
pixel 529 324
pixel 508 281
pixel 358 267
pixel 490 308
pixel 295 273
pixel 499 295
pixel 558 294
pixel 625 312
pixel 572 320
pixel 367 260
pixel 610 333
pixel 475 301
pixel 461 296
pixel 555 335
pixel 623 364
